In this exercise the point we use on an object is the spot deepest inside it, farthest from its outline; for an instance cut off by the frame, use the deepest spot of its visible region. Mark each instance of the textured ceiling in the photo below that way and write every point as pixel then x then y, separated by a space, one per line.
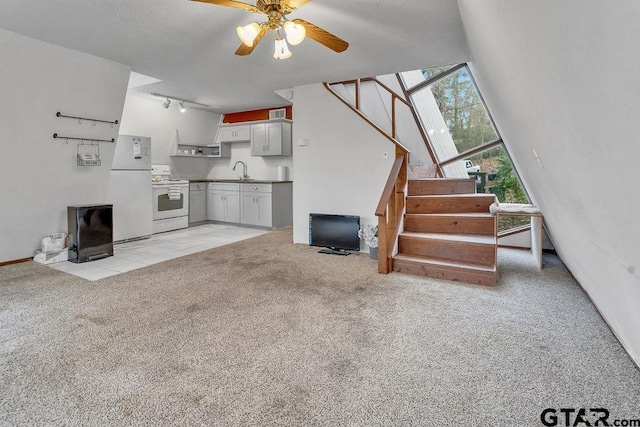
pixel 190 45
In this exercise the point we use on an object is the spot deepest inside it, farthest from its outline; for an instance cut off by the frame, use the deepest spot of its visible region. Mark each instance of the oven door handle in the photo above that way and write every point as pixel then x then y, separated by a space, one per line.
pixel 182 186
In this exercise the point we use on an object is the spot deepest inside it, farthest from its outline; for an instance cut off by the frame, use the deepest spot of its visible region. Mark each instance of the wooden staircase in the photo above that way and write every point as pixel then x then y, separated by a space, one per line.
pixel 449 232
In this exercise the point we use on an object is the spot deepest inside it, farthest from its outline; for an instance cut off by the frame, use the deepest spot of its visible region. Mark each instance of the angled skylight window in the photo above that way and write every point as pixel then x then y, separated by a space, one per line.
pixel 462 134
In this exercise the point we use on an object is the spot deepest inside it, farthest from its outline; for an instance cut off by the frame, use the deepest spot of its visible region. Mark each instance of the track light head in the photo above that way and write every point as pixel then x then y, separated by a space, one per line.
pixel 180 101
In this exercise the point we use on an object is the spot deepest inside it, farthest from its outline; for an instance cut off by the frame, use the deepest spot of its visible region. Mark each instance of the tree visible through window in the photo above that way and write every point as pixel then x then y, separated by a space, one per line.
pixel 456 120
pixel 463 111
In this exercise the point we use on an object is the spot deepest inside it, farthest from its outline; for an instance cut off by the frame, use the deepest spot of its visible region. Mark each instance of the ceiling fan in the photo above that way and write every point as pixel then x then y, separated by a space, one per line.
pixel 293 31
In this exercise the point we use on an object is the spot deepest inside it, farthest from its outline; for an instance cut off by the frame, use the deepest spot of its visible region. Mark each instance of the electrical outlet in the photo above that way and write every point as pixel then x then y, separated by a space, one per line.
pixel 385 154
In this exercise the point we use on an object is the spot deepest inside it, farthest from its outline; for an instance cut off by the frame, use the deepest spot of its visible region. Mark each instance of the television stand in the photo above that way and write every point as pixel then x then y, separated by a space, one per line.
pixel 333 252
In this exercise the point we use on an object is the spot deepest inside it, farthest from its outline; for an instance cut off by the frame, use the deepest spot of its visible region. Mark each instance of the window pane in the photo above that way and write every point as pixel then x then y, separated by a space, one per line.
pixel 494 174
pixel 463 123
pixel 412 78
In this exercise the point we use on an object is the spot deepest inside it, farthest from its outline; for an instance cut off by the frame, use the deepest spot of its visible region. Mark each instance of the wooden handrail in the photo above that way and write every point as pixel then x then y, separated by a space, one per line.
pixel 390 211
pixel 423 134
pixel 388 89
pixel 388 188
pixel 391 207
pixel 397 143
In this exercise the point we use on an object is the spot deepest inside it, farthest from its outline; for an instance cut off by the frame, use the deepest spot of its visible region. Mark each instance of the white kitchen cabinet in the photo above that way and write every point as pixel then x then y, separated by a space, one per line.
pixel 197 202
pixel 271 139
pixel 223 202
pixel 256 204
pixel 266 205
pixel 233 133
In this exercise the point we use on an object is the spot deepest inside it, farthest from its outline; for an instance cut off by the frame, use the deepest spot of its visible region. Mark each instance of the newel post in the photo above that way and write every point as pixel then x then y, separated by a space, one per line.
pixel 383 251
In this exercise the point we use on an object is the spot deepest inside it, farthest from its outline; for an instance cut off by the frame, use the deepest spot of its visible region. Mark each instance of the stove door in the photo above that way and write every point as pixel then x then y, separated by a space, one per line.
pixel 165 207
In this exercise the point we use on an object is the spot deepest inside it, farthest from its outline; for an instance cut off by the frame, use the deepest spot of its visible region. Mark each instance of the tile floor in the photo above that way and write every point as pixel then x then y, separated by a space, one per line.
pixel 159 247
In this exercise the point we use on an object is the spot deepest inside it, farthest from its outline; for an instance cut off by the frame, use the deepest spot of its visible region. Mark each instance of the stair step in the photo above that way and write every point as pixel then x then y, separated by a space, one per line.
pixel 454 203
pixel 465 248
pixel 451 223
pixel 446 270
pixel 436 186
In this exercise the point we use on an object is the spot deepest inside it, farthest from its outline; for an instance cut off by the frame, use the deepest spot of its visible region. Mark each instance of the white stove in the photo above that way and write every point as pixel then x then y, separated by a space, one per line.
pixel 170 200
pixel 161 174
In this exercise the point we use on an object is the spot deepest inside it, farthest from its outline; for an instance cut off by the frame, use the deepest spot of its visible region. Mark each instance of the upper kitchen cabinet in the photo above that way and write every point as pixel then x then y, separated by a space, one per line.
pixel 271 139
pixel 233 133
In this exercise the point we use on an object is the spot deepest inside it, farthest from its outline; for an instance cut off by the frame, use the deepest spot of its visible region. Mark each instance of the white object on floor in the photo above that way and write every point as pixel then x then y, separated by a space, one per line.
pixel 137 254
pixel 53 242
pixel 51 257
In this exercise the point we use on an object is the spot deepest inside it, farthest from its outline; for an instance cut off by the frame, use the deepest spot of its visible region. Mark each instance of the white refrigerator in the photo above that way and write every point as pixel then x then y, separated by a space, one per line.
pixel 130 188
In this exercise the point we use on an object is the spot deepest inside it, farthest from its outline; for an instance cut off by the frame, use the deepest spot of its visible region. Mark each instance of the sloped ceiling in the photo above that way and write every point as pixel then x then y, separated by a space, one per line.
pixel 190 45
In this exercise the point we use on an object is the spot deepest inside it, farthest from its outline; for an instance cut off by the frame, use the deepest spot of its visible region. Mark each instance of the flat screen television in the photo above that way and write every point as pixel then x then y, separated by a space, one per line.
pixel 337 233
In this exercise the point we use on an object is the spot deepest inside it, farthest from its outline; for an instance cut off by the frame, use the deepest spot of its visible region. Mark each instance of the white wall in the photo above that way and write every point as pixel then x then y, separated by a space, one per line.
pixel 40 177
pixel 406 127
pixel 559 78
pixel 143 116
pixel 146 117
pixel 342 169
pixel 257 167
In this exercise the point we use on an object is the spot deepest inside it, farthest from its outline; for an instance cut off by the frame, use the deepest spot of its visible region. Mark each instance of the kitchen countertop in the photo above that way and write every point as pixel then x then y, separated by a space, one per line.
pixel 243 181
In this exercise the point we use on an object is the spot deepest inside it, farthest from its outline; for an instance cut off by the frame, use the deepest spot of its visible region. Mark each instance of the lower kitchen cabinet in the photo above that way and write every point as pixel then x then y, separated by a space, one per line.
pixel 266 205
pixel 256 205
pixel 223 202
pixel 197 202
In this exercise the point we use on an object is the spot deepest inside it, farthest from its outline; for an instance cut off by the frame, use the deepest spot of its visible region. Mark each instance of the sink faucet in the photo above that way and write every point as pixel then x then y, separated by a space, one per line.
pixel 244 169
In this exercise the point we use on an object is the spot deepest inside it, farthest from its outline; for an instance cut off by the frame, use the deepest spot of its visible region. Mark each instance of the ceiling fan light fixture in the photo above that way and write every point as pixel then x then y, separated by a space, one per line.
pixel 248 33
pixel 282 50
pixel 295 32
pixel 167 103
pixel 181 106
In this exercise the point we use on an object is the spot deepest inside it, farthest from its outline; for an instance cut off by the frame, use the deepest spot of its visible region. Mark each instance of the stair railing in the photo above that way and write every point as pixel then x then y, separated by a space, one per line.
pixel 391 206
pixel 356 110
pixel 390 211
pixel 394 97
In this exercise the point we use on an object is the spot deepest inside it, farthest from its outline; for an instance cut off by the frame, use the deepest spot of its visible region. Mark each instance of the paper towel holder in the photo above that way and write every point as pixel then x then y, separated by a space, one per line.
pixel 282 173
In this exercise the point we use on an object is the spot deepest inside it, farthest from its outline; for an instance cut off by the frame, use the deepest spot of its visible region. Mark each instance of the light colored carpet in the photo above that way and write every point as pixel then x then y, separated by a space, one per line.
pixel 263 332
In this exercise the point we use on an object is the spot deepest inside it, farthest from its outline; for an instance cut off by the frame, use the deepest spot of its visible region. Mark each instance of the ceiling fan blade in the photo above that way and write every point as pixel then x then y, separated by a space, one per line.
pixel 246 50
pixel 294 4
pixel 232 3
pixel 323 37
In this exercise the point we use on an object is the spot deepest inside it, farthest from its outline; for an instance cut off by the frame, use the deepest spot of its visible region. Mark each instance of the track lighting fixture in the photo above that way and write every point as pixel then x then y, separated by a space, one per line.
pixel 181 102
